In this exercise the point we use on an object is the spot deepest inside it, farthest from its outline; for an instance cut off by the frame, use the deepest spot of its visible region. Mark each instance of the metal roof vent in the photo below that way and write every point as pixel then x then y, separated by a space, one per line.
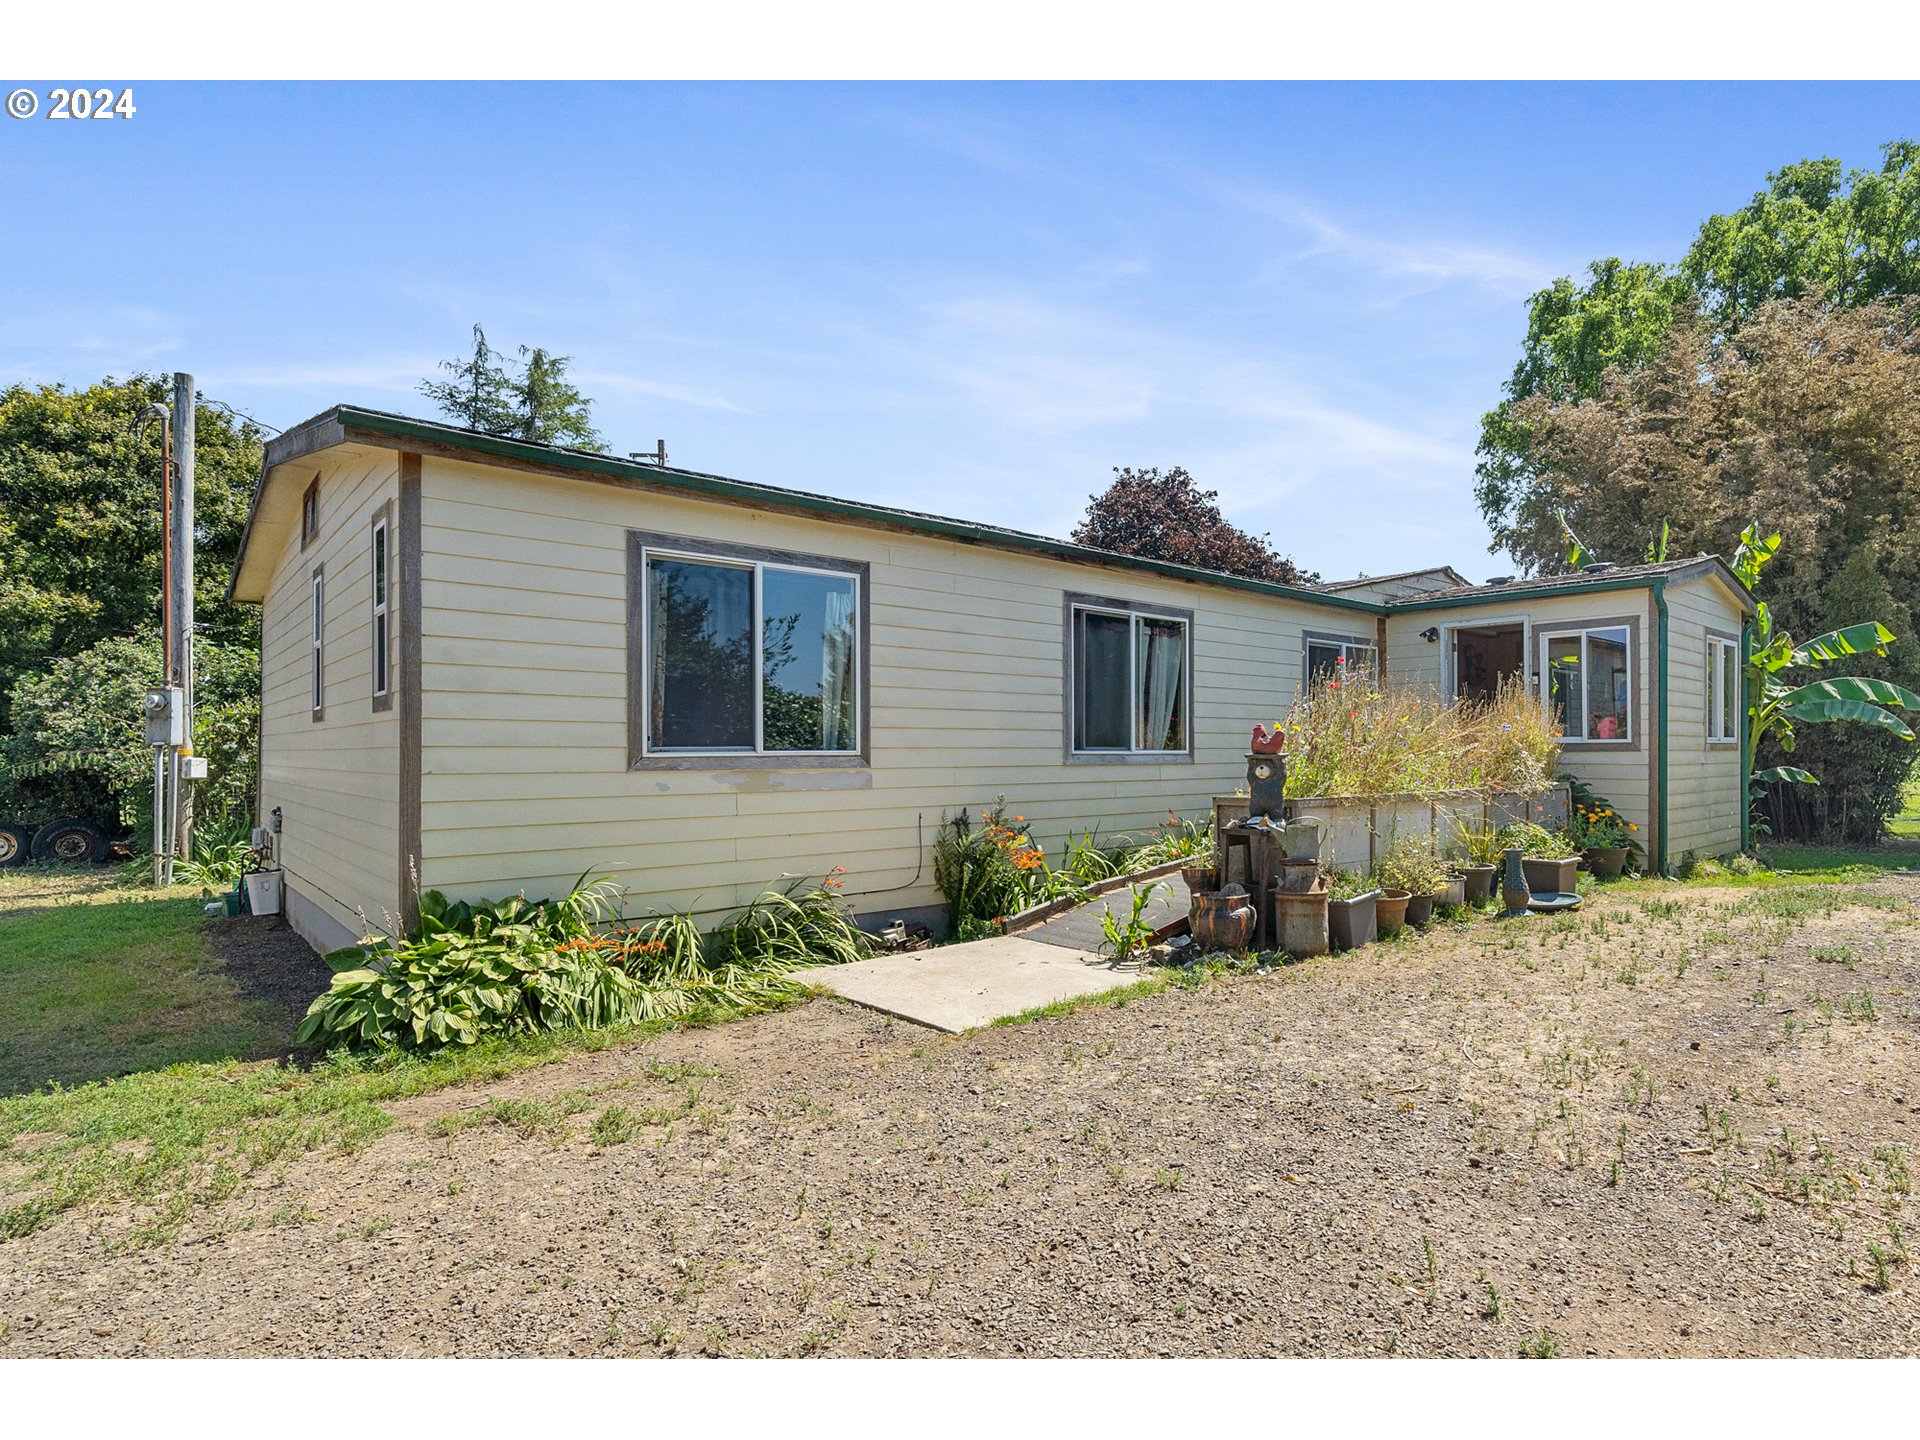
pixel 1596 567
pixel 1499 580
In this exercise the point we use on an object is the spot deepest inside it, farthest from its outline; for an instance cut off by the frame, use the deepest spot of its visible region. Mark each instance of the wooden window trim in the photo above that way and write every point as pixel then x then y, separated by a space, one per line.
pixel 310 514
pixel 641 543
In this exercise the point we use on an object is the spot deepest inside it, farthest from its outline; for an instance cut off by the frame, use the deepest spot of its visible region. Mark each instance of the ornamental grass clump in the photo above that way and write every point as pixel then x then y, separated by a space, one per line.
pixel 1348 735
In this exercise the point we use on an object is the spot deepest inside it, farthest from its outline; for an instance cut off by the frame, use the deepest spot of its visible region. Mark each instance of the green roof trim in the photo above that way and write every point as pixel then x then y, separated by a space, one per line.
pixel 378 425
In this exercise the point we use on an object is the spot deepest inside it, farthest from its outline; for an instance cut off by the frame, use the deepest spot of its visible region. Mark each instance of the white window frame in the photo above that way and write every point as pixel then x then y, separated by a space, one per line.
pixel 1348 648
pixel 1723 668
pixel 379 597
pixel 1544 638
pixel 319 642
pixel 1134 619
pixel 650 553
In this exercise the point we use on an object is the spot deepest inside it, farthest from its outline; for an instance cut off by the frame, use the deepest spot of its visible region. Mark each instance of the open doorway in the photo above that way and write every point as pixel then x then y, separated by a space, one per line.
pixel 1486 655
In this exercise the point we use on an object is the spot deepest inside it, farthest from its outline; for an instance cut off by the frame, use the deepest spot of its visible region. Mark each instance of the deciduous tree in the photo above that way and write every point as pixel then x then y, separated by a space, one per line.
pixel 1167 516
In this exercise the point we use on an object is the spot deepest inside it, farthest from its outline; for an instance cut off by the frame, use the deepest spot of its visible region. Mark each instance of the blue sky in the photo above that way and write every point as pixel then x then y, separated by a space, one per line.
pixel 967 299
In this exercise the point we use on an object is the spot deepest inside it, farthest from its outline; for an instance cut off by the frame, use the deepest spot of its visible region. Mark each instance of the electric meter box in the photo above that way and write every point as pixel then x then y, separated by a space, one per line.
pixel 165 714
pixel 193 767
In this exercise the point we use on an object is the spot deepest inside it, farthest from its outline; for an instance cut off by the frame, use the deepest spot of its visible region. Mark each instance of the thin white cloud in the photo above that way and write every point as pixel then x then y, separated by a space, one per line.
pixel 657 389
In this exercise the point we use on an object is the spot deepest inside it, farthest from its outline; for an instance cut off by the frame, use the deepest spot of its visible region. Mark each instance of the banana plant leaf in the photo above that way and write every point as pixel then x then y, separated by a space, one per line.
pixel 1822 711
pixel 1851 640
pixel 1852 687
pixel 1784 774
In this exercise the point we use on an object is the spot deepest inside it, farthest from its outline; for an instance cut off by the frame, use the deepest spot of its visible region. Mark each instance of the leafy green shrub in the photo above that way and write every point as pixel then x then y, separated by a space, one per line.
pixel 222 850
pixel 516 966
pixel 1409 865
pixel 987 871
pixel 1534 840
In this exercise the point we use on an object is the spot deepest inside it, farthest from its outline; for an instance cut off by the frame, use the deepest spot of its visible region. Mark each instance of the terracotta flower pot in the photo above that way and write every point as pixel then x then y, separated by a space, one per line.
pixel 1353 923
pixel 1479 882
pixel 1551 876
pixel 1607 863
pixel 1390 911
pixel 1420 910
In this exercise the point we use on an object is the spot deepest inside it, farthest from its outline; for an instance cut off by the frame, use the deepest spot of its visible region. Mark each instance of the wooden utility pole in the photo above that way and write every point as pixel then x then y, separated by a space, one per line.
pixel 180 582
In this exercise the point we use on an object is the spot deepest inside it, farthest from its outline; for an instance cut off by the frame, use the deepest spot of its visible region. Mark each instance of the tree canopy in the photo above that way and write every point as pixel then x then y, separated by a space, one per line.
pixel 80 557
pixel 537 403
pixel 1851 237
pixel 1169 517
pixel 1806 418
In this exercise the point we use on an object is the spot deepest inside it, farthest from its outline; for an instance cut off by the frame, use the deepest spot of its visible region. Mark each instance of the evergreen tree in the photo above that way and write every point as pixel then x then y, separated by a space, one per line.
pixel 546 408
pixel 479 396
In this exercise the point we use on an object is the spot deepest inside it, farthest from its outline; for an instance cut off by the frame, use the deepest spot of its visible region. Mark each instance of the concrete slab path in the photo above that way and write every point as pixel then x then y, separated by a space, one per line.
pixel 961 987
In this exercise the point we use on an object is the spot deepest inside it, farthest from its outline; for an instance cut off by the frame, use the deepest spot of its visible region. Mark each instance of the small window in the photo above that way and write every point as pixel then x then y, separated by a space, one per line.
pixel 310 514
pixel 750 657
pixel 319 636
pixel 1589 683
pixel 1334 659
pixel 1723 689
pixel 382 634
pixel 1129 682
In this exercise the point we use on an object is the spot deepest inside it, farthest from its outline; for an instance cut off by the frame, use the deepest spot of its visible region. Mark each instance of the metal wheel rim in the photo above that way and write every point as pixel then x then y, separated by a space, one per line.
pixel 71 845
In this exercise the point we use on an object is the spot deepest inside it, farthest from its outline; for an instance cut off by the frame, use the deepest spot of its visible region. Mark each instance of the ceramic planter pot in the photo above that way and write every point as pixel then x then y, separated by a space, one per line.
pixel 1478 882
pixel 1390 911
pixel 1200 879
pixel 1452 891
pixel 1420 910
pixel 1608 863
pixel 1548 877
pixel 1223 920
pixel 1353 923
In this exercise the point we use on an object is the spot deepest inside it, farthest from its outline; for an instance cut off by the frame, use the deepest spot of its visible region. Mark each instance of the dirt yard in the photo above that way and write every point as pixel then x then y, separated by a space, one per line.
pixel 1680 1123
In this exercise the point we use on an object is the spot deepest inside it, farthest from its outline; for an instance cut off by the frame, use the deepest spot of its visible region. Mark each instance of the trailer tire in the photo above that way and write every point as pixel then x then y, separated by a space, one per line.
pixel 71 841
pixel 16 844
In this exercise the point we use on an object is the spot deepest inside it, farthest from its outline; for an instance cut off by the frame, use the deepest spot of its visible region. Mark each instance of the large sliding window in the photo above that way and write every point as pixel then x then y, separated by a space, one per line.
pixel 1130 681
pixel 742 655
pixel 1589 683
pixel 1723 689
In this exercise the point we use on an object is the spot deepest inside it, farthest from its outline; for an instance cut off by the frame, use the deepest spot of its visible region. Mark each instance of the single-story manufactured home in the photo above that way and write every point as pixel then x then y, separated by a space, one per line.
pixel 489 666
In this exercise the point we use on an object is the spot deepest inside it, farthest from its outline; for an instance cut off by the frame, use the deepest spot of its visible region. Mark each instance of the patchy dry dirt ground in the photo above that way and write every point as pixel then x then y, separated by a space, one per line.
pixel 1680 1123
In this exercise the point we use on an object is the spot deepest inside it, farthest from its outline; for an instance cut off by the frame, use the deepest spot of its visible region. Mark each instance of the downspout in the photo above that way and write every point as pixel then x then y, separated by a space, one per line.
pixel 1746 729
pixel 1660 729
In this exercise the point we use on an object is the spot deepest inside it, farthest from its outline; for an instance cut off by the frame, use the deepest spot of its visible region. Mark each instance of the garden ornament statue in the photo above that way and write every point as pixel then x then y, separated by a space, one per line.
pixel 1514 893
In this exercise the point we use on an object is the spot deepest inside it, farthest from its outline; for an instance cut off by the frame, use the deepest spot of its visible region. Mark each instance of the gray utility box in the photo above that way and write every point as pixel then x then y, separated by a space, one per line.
pixel 165 714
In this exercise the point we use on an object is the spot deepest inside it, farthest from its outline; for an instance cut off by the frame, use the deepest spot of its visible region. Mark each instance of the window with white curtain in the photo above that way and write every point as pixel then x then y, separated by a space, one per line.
pixel 1723 689
pixel 748 656
pixel 1129 682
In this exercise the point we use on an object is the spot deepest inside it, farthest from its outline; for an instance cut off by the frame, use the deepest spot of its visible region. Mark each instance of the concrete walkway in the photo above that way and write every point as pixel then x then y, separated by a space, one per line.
pixel 961 987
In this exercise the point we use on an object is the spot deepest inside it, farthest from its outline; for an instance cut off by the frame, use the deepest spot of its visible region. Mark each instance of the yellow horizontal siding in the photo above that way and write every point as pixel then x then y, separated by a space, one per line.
pixel 524 759
pixel 336 779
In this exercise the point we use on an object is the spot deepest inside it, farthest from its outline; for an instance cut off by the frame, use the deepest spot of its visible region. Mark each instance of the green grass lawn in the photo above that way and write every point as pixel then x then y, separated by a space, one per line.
pixel 99 980
pixel 1906 825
